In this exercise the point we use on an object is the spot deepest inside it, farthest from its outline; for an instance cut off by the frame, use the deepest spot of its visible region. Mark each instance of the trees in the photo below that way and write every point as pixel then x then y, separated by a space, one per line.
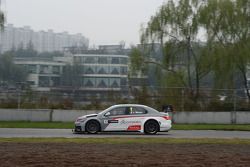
pixel 71 75
pixel 178 25
pixel 175 26
pixel 228 32
pixel 29 51
pixel 9 72
pixel 2 18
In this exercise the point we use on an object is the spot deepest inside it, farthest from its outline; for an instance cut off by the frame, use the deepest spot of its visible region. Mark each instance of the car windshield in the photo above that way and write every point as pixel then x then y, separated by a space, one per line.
pixel 104 111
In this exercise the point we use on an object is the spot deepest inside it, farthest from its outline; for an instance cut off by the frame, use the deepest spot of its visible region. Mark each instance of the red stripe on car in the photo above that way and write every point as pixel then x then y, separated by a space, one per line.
pixel 128 117
pixel 134 127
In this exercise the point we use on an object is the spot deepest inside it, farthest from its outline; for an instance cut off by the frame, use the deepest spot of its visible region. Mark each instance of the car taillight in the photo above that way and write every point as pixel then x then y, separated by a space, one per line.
pixel 167 117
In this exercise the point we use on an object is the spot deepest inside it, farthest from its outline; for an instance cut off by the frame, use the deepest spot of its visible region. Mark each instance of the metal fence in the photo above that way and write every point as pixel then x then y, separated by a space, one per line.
pixel 182 99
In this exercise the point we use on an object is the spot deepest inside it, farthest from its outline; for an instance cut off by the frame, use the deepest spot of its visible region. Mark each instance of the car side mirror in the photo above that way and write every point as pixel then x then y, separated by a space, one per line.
pixel 107 114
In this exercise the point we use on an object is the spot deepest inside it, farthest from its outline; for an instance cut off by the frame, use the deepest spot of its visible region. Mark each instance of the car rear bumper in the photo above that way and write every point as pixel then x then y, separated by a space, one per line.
pixel 165 128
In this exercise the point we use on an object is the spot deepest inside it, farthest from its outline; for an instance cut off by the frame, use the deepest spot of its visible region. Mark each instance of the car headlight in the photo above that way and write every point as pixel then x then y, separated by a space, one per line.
pixel 80 119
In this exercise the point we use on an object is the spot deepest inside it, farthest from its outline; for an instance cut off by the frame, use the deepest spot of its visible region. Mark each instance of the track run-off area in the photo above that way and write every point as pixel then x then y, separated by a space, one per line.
pixel 67 133
pixel 182 148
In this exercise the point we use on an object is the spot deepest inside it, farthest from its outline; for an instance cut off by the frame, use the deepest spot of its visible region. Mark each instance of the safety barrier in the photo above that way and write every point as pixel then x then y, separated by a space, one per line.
pixel 205 117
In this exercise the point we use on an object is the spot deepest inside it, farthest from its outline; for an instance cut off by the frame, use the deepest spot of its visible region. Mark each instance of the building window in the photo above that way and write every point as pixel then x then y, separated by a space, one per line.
pixel 89 70
pixel 102 82
pixel 89 82
pixel 115 70
pixel 115 60
pixel 123 60
pixel 114 82
pixel 55 81
pixel 56 69
pixel 102 70
pixel 43 81
pixel 31 83
pixel 44 69
pixel 90 60
pixel 123 81
pixel 124 70
pixel 102 60
pixel 78 59
pixel 32 69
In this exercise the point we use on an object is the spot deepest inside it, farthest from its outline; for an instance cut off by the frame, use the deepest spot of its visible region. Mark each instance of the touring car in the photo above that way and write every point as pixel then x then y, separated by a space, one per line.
pixel 124 117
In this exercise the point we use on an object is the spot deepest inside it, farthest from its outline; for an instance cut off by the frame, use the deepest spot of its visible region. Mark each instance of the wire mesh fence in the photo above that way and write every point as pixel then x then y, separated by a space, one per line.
pixel 182 99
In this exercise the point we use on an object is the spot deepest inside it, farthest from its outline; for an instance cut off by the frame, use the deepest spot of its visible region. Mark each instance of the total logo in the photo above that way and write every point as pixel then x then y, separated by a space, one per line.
pixel 129 122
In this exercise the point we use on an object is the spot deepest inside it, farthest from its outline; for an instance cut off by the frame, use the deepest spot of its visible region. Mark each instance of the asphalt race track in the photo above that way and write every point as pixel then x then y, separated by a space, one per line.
pixel 67 133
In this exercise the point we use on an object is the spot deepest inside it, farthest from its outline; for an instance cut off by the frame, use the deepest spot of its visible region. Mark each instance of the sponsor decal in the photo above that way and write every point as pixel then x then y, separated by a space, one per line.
pixel 134 127
pixel 112 121
pixel 129 122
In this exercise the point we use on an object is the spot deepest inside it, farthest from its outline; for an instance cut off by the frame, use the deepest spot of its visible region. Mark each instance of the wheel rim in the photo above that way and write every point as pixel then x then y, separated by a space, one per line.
pixel 151 128
pixel 92 127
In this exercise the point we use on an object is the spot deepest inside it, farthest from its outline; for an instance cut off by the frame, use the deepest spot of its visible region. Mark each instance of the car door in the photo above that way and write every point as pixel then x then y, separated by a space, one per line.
pixel 112 119
pixel 135 121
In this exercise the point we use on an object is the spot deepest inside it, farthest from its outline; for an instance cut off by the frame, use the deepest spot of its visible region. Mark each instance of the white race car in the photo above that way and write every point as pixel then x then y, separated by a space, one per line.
pixel 125 117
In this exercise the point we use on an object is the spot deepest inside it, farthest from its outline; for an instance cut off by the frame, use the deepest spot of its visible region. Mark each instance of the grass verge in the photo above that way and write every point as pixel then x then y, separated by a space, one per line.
pixel 126 140
pixel 45 125
pixel 230 127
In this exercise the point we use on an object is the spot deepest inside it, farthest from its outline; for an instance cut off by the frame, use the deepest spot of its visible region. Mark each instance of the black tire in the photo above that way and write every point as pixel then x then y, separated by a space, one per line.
pixel 92 127
pixel 151 127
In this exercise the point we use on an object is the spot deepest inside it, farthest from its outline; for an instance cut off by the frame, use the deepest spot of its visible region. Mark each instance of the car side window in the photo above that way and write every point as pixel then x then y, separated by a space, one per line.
pixel 117 111
pixel 138 110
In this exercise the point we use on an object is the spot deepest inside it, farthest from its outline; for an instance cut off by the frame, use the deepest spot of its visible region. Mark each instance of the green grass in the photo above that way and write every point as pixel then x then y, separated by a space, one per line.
pixel 46 125
pixel 70 125
pixel 230 127
pixel 126 140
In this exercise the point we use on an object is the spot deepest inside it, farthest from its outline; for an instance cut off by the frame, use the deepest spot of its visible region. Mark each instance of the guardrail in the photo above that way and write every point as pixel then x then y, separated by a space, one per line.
pixel 207 117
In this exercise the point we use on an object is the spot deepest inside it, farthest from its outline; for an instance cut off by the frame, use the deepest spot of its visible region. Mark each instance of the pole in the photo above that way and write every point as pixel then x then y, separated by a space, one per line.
pixel 233 113
pixel 182 99
pixel 19 100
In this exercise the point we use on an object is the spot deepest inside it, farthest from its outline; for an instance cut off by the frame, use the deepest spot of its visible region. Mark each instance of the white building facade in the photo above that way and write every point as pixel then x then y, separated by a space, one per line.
pixel 43 41
pixel 103 72
pixel 42 74
pixel 99 72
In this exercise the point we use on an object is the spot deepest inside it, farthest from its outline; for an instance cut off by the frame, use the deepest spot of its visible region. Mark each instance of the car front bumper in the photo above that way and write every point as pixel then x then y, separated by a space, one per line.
pixel 78 129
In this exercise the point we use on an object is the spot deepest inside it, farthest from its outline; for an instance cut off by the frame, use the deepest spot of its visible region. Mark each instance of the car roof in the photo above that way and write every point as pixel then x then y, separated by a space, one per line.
pixel 149 109
pixel 129 105
pixel 135 105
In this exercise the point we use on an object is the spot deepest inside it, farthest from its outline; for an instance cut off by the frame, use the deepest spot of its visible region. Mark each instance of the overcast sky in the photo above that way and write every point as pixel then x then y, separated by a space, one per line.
pixel 102 21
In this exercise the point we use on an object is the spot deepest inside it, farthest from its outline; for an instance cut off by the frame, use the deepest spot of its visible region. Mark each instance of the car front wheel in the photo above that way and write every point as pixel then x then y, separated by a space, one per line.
pixel 92 127
pixel 151 127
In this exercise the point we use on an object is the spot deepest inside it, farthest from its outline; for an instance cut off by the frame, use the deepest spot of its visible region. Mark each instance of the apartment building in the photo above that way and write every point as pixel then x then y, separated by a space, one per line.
pixel 43 41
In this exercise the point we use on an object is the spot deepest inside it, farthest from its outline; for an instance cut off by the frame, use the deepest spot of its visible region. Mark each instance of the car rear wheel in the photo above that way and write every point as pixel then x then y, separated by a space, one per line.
pixel 92 127
pixel 151 127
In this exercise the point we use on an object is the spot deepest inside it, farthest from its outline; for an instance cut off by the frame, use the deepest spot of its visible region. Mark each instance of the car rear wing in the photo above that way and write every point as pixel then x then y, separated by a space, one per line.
pixel 167 108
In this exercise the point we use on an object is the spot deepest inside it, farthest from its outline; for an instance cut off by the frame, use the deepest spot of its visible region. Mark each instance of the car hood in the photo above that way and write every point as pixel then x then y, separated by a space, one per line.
pixel 89 115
